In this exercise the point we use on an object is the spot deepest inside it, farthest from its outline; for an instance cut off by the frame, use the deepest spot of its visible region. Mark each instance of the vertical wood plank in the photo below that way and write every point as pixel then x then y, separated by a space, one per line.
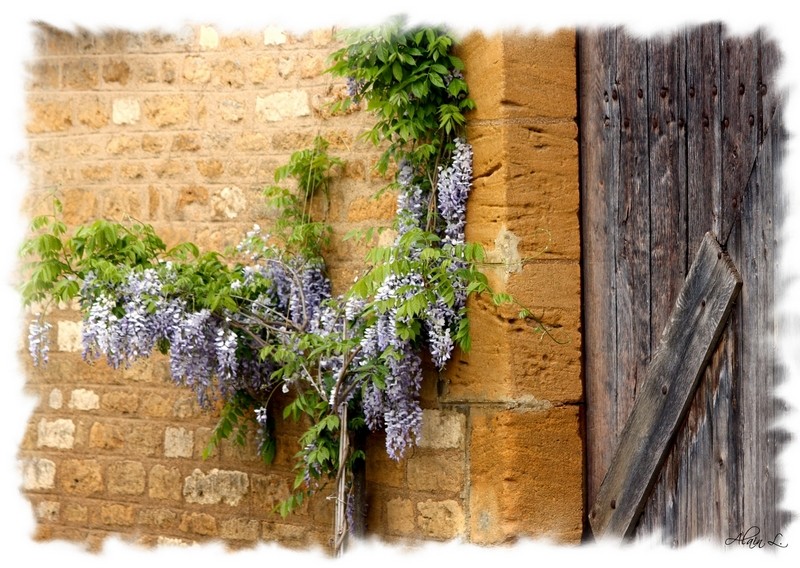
pixel 632 224
pixel 599 127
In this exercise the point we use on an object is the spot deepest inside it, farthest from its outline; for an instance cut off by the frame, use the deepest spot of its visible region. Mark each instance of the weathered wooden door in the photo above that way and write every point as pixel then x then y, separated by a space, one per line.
pixel 681 135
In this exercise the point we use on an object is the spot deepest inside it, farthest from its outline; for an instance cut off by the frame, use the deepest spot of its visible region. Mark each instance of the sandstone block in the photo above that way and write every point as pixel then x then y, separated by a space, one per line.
pixel 104 436
pixel 79 74
pixel 120 401
pixel 400 516
pixel 167 110
pixel 440 472
pixel 56 399
pixel 38 473
pixel 198 523
pixel 48 511
pixel 274 36
pixel 532 484
pixel 93 112
pixel 209 38
pixel 116 71
pixel 186 143
pixel 161 519
pixel 81 477
pixel 229 73
pixel 59 434
pixel 116 514
pixel 228 203
pixel 75 513
pixel 441 519
pixel 217 486
pixel 125 111
pixel 211 169
pixel 55 116
pixel 165 483
pixel 196 69
pixel 43 75
pixel 83 399
pixel 442 429
pixel 268 490
pixel 240 529
pixel 126 478
pixel 282 105
pixel 178 443
pixel 69 336
pixel 120 145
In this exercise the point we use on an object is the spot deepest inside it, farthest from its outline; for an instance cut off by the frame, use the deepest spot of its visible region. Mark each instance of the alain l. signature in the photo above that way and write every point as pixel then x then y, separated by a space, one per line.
pixel 752 538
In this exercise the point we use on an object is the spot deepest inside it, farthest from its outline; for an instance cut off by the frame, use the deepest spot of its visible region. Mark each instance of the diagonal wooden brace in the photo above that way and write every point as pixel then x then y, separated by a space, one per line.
pixel 688 341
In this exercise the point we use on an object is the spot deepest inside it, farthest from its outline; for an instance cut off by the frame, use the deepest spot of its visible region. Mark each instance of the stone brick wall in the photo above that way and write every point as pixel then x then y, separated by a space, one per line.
pixel 182 131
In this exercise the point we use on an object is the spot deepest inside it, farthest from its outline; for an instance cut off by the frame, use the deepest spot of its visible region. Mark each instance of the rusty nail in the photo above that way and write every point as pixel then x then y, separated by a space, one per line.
pixel 741 88
pixel 613 503
pixel 691 91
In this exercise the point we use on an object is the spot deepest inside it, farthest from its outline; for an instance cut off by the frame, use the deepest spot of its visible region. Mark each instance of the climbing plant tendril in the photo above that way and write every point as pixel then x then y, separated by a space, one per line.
pixel 240 326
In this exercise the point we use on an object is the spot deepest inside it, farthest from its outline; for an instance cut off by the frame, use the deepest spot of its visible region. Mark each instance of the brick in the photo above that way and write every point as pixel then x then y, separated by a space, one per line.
pixel 165 483
pixel 168 71
pixel 196 69
pixel 198 523
pixel 441 520
pixel 252 142
pixel 59 434
pixel 83 399
pixel 178 443
pixel 282 105
pixel 439 473
pixel 125 111
pixel 93 112
pixel 38 474
pixel 82 478
pixel 126 478
pixel 116 71
pixel 116 514
pixel 170 169
pixel 442 429
pixel 80 74
pixel 217 486
pixel 240 529
pixel 53 116
pixel 167 110
pixel 400 517
pixel 532 484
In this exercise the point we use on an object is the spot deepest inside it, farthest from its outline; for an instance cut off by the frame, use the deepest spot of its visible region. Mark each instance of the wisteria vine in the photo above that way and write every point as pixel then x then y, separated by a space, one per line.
pixel 241 327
